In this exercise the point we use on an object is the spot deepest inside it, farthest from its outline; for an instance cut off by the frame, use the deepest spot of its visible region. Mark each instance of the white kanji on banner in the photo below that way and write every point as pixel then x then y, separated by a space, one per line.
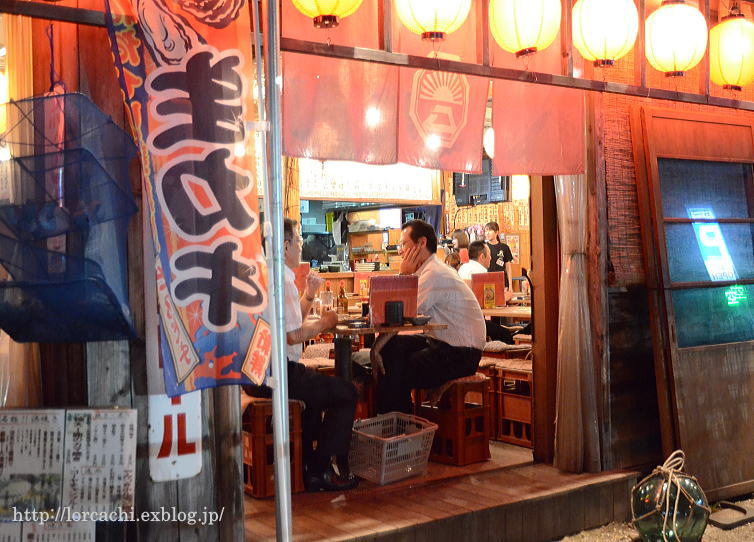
pixel 175 436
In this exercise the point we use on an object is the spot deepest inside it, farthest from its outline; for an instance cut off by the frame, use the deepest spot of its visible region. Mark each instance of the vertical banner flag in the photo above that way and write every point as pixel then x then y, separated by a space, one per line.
pixel 186 74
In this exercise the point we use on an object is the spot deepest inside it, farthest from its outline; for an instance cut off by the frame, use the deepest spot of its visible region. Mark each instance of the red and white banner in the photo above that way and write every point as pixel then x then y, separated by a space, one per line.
pixel 440 114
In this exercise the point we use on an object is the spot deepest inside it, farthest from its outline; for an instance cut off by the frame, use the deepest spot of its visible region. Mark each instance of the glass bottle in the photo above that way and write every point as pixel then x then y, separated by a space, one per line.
pixel 326 297
pixel 342 299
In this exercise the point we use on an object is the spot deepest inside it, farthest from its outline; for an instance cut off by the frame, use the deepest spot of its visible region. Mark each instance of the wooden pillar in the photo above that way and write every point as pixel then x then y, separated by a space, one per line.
pixel 291 192
pixel 545 276
pixel 597 266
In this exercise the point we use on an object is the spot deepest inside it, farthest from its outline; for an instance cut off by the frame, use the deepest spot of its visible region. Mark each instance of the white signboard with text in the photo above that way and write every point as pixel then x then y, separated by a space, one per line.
pixel 175 436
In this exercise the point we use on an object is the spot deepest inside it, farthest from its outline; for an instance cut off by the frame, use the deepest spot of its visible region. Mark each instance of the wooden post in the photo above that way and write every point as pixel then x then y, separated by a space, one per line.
pixel 597 266
pixel 291 190
pixel 545 275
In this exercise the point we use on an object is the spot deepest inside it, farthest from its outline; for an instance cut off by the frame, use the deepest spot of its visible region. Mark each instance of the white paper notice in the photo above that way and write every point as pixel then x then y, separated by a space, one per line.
pixel 100 460
pixel 31 460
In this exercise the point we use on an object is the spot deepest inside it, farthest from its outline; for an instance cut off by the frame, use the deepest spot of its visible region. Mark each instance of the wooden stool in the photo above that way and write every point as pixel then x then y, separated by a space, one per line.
pixel 258 450
pixel 463 432
pixel 514 399
pixel 487 366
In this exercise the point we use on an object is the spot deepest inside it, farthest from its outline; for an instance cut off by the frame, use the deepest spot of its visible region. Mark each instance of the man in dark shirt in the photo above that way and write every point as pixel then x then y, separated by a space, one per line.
pixel 500 253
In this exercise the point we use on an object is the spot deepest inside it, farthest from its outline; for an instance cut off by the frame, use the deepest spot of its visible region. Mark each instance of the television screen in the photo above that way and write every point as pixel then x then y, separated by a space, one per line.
pixel 479 188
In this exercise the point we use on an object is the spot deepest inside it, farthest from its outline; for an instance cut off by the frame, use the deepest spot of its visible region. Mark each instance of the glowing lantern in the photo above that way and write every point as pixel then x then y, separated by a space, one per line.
pixel 604 30
pixel 432 20
pixel 524 26
pixel 676 37
pixel 327 13
pixel 731 47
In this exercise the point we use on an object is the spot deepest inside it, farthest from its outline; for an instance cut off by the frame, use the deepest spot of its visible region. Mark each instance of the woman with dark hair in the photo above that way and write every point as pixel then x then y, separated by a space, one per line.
pixel 453 260
pixel 461 244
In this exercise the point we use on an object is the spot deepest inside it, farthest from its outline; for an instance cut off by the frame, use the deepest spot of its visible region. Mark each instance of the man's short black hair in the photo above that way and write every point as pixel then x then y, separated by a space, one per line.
pixel 492 226
pixel 420 229
pixel 476 249
pixel 289 228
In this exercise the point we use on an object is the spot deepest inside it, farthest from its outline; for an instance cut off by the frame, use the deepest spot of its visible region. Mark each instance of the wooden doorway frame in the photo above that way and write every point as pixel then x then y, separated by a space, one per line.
pixel 545 276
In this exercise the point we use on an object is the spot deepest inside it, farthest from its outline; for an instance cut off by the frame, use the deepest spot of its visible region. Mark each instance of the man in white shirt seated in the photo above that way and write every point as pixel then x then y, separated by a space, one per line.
pixel 428 361
pixel 330 401
pixel 479 260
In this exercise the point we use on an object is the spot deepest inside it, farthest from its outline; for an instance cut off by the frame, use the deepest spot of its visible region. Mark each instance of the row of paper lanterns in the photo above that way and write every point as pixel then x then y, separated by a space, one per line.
pixel 603 30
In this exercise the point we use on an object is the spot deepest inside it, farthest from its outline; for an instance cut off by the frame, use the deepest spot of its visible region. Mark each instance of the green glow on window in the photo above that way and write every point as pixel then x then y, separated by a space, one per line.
pixel 735 294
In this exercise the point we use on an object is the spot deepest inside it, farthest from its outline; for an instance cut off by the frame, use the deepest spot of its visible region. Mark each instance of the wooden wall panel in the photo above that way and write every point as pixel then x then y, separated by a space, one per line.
pixel 691 138
pixel 113 373
pixel 634 437
pixel 717 419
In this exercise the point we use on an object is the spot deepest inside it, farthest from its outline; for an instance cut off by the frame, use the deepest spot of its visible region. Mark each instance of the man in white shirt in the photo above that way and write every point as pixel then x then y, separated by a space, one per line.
pixel 479 260
pixel 427 361
pixel 330 401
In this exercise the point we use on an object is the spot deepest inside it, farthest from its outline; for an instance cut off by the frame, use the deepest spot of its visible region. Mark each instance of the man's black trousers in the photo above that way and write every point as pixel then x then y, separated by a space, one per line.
pixel 418 361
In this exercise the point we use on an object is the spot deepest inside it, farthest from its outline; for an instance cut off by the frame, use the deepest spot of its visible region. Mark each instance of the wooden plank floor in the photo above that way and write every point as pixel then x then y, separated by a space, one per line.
pixel 507 499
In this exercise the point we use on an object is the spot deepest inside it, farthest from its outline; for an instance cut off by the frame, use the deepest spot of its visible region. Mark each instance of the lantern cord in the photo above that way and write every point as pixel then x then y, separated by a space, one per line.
pixel 672 466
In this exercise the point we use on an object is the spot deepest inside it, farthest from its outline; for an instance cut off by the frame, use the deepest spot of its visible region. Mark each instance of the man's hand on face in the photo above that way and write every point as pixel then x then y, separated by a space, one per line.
pixel 328 319
pixel 411 260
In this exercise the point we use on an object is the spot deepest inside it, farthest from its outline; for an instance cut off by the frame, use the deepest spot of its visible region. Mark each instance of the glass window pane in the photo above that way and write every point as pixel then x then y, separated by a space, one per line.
pixel 710 251
pixel 697 189
pixel 714 315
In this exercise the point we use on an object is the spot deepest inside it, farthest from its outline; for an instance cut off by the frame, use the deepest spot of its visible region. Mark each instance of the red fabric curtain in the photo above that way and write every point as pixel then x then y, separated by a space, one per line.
pixel 441 115
pixel 539 130
pixel 338 109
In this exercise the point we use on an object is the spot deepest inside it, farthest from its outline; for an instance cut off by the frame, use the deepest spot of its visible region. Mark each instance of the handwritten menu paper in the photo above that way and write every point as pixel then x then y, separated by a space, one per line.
pixel 31 460
pixel 100 460
pixel 47 532
pixel 81 459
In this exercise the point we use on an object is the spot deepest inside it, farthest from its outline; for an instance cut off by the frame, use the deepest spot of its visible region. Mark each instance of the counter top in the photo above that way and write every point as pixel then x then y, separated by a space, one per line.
pixel 349 274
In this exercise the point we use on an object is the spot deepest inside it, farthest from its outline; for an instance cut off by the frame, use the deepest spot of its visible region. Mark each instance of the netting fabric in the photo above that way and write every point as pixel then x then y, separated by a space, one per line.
pixel 65 199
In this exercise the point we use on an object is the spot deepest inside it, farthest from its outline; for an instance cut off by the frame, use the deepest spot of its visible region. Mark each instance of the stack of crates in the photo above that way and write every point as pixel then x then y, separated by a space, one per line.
pixel 463 432
pixel 259 450
pixel 488 367
pixel 514 401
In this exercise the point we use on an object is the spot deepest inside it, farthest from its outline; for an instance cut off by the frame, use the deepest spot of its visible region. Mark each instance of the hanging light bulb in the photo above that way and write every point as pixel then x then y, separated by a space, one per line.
pixel 432 20
pixel 604 30
pixel 524 26
pixel 676 37
pixel 327 13
pixel 731 48
pixel 488 141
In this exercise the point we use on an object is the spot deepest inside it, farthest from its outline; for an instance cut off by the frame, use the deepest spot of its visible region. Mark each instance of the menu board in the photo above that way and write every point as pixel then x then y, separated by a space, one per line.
pixel 31 460
pixel 100 460
pixel 350 181
pixel 84 460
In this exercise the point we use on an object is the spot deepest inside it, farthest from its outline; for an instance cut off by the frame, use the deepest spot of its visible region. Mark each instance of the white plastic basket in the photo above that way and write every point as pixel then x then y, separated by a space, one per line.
pixel 391 447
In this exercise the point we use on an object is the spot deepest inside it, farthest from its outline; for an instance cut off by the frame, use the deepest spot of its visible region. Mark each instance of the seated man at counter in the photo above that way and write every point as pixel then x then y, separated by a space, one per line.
pixel 334 397
pixel 427 361
pixel 479 260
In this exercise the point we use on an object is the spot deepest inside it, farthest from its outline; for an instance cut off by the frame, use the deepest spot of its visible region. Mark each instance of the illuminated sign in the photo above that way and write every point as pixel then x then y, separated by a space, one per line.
pixel 712 245
pixel 735 294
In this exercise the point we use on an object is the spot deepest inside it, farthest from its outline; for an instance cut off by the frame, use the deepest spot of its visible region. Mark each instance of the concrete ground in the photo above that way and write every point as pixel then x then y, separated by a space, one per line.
pixel 622 532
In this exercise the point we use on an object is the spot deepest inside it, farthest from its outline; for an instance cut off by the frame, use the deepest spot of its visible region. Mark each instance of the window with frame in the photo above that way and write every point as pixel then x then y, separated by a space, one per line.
pixel 708 217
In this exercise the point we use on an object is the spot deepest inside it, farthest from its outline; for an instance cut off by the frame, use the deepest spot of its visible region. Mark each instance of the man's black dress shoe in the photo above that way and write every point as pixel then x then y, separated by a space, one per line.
pixel 329 481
